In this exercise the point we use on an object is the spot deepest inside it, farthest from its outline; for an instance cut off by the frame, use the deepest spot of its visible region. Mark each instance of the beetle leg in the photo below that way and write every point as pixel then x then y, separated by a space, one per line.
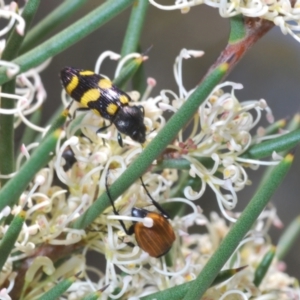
pixel 103 128
pixel 130 230
pixel 120 140
pixel 119 137
pixel 79 109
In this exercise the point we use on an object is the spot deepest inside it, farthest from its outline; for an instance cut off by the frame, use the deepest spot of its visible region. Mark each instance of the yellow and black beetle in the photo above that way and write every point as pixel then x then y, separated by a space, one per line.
pixel 156 240
pixel 99 94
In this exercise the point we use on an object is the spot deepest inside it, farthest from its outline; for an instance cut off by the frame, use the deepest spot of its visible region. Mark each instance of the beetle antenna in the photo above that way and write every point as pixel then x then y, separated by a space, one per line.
pixel 109 195
pixel 155 203
pixel 147 50
pixel 112 203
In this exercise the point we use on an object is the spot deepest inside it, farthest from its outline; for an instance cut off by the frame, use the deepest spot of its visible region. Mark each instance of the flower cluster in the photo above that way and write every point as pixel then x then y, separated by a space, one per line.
pixel 221 132
pixel 284 14
pixel 85 163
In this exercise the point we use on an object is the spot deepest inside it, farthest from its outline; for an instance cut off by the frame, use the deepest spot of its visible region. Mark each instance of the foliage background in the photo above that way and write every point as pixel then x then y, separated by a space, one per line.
pixel 270 70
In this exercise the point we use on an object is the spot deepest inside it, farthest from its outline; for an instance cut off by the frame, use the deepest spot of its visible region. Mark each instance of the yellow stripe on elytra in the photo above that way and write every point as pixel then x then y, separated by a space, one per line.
pixel 112 109
pixel 86 73
pixel 90 95
pixel 105 84
pixel 124 99
pixel 72 85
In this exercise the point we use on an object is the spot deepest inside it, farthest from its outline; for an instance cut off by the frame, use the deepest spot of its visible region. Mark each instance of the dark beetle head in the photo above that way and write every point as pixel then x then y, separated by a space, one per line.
pixel 130 121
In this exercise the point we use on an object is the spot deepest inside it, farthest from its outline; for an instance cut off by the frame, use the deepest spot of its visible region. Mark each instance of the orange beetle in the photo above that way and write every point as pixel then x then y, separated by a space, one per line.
pixel 156 240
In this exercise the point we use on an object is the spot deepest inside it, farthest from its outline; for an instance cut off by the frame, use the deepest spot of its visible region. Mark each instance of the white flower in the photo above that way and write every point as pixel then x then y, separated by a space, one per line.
pixel 221 131
pixel 281 12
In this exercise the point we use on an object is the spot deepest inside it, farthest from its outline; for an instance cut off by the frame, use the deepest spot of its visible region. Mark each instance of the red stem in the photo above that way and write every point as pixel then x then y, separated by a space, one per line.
pixel 255 29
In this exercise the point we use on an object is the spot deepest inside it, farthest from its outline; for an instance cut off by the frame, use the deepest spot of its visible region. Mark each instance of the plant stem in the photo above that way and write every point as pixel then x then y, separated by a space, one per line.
pixel 134 28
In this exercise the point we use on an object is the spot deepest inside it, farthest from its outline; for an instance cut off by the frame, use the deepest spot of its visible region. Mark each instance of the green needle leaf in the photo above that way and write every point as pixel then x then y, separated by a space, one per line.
pixel 58 121
pixel 275 127
pixel 58 289
pixel 134 28
pixel 139 81
pixel 10 237
pixel 264 265
pixel 181 163
pixel 50 22
pixel 178 292
pixel 293 125
pixel 283 143
pixel 288 238
pixel 237 29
